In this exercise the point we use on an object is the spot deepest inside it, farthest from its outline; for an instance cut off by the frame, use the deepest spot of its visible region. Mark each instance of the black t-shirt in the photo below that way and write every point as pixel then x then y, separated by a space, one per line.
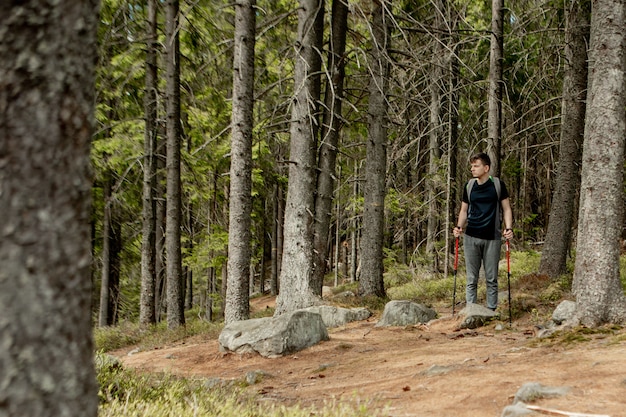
pixel 484 217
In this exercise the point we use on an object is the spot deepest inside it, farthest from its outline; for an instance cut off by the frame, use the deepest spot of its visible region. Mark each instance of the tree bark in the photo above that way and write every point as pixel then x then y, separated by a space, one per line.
pixel 115 261
pixel 371 279
pixel 187 270
pixel 47 59
pixel 597 286
pixel 147 310
pixel 331 126
pixel 354 234
pixel 496 58
pixel 105 287
pixel 175 305
pixel 298 260
pixel 435 136
pixel 239 235
pixel 453 138
pixel 559 234
pixel 274 270
pixel 159 239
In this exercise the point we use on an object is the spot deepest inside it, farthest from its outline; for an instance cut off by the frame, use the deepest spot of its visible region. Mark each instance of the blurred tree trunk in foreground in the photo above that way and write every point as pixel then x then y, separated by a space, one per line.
pixel 46 115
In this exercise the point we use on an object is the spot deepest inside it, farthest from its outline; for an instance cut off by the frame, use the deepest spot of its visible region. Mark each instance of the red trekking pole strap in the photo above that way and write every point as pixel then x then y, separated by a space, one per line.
pixel 456 253
pixel 508 257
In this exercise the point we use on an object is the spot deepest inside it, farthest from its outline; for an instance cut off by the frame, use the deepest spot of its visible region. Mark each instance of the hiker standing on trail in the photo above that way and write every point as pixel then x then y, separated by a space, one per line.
pixel 485 202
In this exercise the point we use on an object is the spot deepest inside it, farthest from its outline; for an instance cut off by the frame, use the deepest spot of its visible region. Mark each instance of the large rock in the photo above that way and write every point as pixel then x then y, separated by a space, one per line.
pixel 404 313
pixel 532 391
pixel 337 316
pixel 475 315
pixel 274 336
pixel 564 312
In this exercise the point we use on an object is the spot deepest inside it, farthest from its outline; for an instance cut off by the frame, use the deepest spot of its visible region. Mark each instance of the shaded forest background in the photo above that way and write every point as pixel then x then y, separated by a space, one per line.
pixel 436 91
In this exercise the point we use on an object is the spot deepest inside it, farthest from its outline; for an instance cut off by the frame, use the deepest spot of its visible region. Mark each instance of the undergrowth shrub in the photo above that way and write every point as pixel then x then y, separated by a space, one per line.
pixel 130 334
pixel 130 393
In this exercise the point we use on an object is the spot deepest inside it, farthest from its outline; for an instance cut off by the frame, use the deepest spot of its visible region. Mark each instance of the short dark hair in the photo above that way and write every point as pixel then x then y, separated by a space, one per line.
pixel 482 156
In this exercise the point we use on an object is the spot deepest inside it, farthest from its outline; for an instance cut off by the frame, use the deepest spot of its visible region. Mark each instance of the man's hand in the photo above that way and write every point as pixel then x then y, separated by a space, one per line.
pixel 508 234
pixel 457 231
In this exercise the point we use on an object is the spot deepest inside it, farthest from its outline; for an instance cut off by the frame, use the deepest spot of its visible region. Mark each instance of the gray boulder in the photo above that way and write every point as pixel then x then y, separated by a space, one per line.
pixel 404 313
pixel 564 312
pixel 274 336
pixel 337 316
pixel 532 391
pixel 528 393
pixel 516 410
pixel 475 315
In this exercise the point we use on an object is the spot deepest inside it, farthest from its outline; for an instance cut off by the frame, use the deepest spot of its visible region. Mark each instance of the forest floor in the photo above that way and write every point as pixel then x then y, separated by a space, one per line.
pixel 424 370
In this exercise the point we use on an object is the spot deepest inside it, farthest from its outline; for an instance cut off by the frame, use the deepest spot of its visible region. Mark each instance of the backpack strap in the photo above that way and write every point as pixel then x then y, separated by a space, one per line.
pixel 496 183
pixel 469 186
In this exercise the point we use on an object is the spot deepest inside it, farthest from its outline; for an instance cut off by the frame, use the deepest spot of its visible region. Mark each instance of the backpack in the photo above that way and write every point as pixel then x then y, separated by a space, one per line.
pixel 470 185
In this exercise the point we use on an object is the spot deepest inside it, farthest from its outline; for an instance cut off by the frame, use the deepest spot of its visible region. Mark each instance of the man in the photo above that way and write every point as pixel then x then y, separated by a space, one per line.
pixel 480 219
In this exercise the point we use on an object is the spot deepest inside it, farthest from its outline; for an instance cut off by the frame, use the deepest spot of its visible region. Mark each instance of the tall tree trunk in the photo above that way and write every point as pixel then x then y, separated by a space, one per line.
pixel 597 286
pixel 496 58
pixel 437 90
pixel 105 282
pixel 354 235
pixel 188 272
pixel 46 121
pixel 371 279
pixel 175 311
pixel 115 249
pixel 147 311
pixel 111 248
pixel 212 272
pixel 159 238
pixel 453 139
pixel 559 234
pixel 240 222
pixel 280 236
pixel 189 246
pixel 298 260
pixel 274 270
pixel 224 287
pixel 331 125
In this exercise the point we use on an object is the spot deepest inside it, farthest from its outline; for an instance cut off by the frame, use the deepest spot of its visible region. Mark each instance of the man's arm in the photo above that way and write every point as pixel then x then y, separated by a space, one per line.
pixel 508 218
pixel 460 223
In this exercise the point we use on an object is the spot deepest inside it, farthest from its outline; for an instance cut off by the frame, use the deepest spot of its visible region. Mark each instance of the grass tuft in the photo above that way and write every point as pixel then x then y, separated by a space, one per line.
pixel 132 394
pixel 127 334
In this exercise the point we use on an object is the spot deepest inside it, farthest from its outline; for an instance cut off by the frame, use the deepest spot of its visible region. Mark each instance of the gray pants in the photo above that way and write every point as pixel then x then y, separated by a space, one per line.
pixel 485 252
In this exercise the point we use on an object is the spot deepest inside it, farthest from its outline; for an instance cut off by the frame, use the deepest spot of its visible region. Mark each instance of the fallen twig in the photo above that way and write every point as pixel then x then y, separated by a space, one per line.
pixel 562 413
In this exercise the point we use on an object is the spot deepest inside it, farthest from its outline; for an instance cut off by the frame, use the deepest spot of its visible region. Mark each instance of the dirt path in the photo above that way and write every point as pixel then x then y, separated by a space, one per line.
pixel 418 370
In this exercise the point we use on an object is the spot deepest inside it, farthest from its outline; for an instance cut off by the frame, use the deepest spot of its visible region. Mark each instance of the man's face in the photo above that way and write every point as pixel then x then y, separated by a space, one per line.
pixel 478 168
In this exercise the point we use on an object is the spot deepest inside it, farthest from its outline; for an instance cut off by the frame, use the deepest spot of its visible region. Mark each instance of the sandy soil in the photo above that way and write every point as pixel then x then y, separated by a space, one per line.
pixel 426 370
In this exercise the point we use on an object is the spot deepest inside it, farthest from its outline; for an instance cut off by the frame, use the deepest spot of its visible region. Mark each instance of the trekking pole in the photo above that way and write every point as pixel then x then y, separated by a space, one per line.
pixel 508 270
pixel 456 264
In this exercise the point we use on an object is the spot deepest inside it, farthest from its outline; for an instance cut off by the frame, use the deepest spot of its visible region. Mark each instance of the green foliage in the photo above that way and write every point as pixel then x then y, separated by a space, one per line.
pixel 397 274
pixel 622 271
pixel 403 283
pixel 268 312
pixel 393 202
pixel 130 393
pixel 182 398
pixel 115 337
pixel 372 303
pixel 427 290
pixel 531 225
pixel 522 263
pixel 580 334
pixel 132 334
